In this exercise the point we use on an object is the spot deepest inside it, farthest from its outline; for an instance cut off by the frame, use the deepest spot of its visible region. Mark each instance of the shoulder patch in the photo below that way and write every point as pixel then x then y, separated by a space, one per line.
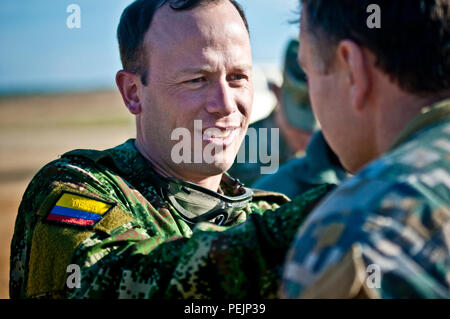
pixel 72 209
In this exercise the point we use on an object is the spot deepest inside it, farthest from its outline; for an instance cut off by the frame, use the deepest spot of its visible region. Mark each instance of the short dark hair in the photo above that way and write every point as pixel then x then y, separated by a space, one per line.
pixel 133 26
pixel 412 45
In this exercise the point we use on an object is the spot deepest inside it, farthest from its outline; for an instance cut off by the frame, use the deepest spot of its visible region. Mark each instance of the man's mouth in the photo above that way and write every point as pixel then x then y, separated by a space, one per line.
pixel 220 136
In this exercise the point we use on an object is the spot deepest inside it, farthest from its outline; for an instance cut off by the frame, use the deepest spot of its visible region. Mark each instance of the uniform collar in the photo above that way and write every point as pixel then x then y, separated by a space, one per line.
pixel 429 115
pixel 194 203
pixel 126 161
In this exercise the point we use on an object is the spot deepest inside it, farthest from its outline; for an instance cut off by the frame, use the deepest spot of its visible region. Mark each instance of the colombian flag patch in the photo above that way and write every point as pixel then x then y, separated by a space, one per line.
pixel 78 210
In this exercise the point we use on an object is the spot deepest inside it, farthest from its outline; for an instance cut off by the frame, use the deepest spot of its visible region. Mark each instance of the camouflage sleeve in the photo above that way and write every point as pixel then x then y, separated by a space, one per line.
pixel 216 262
pixel 41 251
pixel 390 246
pixel 42 247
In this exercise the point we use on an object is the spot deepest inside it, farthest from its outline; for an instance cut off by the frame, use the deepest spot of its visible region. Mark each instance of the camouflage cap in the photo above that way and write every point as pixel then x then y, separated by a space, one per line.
pixel 296 104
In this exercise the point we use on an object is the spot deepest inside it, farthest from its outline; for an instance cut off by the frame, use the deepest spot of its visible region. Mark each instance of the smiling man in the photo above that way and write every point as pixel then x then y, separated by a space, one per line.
pixel 192 69
pixel 382 97
pixel 97 215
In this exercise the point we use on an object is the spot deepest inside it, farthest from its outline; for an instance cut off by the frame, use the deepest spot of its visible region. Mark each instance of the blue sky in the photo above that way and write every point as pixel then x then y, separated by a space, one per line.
pixel 39 53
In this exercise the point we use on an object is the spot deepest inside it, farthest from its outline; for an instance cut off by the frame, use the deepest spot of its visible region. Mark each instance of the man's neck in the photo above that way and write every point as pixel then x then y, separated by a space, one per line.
pixel 396 116
pixel 209 182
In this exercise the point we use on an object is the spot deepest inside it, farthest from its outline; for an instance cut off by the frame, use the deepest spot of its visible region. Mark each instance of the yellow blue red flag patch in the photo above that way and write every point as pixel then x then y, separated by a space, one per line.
pixel 78 210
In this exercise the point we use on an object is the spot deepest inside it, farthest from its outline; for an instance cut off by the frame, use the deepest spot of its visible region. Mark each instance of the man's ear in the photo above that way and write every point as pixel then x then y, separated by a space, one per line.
pixel 128 84
pixel 354 61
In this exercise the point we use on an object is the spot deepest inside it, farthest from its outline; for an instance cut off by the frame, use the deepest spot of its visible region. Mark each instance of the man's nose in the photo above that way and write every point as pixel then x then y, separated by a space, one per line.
pixel 221 101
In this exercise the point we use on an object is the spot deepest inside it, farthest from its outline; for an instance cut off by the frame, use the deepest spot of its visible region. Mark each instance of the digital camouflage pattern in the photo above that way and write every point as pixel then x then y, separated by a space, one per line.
pixel 386 232
pixel 122 255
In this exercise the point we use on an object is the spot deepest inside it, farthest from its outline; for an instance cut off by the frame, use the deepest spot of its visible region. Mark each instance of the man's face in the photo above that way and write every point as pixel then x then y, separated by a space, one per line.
pixel 330 100
pixel 199 68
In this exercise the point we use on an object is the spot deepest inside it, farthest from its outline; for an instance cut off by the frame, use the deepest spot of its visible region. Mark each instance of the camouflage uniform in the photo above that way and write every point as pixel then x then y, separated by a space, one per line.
pixel 319 166
pixel 120 219
pixel 386 232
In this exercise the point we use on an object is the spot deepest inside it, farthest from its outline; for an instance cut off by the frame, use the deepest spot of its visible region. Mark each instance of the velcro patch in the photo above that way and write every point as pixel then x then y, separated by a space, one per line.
pixel 78 210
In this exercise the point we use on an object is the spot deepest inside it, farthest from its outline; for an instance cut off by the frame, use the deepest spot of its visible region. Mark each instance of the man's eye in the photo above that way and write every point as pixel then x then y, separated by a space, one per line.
pixel 196 80
pixel 237 77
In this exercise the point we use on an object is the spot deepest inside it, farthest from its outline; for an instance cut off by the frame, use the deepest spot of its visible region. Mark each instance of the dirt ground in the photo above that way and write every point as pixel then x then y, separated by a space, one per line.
pixel 37 129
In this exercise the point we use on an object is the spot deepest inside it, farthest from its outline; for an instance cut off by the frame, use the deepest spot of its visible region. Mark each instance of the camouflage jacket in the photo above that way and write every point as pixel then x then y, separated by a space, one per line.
pixel 386 232
pixel 100 211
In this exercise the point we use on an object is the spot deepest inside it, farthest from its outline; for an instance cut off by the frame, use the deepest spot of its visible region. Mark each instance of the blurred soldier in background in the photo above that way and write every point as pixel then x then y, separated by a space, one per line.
pixel 294 118
pixel 318 166
pixel 382 96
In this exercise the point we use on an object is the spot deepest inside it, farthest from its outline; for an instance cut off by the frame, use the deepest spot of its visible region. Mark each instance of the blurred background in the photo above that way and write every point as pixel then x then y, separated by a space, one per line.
pixel 57 89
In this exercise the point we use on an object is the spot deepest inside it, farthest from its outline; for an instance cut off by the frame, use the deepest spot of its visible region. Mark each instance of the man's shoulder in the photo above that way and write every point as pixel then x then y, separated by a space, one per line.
pixel 408 187
pixel 69 195
pixel 395 210
pixel 418 168
pixel 416 175
pixel 121 156
pixel 75 173
pixel 424 151
pixel 85 164
pixel 421 165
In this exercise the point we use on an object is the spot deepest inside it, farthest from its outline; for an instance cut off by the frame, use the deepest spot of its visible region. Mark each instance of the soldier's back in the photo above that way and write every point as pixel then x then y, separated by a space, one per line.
pixel 385 232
